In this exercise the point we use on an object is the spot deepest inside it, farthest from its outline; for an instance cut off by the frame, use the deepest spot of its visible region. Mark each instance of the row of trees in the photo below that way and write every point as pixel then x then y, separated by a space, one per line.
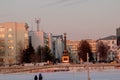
pixel 43 54
pixel 84 48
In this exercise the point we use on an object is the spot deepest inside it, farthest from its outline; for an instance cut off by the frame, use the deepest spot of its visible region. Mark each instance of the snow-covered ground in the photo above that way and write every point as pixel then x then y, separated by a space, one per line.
pixel 95 75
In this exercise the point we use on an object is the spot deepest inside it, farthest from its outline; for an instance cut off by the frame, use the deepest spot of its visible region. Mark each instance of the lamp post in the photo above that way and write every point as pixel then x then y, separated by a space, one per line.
pixel 88 72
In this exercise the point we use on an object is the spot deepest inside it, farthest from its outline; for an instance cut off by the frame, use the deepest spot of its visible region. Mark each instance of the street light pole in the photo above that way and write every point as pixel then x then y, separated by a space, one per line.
pixel 88 67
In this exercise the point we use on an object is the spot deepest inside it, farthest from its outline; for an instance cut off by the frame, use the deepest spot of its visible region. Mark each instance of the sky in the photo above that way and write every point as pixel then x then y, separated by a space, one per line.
pixel 80 19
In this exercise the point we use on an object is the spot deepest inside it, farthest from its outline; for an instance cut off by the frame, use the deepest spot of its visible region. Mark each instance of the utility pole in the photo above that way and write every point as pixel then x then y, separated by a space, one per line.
pixel 88 72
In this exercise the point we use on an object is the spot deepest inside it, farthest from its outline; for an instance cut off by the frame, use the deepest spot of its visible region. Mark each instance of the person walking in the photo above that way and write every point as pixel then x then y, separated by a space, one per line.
pixel 35 78
pixel 40 76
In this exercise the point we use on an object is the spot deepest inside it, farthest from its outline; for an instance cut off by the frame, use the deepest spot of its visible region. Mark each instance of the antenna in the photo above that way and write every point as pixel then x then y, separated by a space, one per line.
pixel 37 22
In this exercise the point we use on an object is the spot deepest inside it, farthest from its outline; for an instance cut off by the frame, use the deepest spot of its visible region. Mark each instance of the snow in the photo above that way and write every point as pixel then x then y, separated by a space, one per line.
pixel 74 75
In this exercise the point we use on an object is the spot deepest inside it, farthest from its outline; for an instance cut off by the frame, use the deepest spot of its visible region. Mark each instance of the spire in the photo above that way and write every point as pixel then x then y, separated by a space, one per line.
pixel 37 22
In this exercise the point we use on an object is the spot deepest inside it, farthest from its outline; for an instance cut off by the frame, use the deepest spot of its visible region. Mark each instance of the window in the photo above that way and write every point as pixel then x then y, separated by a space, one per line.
pixel 11 47
pixel 26 35
pixel 2 35
pixel 113 47
pixel 2 29
pixel 2 50
pixel 2 41
pixel 1 47
pixel 112 42
pixel 10 41
pixel 9 29
pixel 10 35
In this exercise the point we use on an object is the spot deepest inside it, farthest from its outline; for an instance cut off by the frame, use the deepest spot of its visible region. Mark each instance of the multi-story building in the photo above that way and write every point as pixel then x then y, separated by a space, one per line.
pixel 118 43
pixel 118 36
pixel 58 46
pixel 72 47
pixel 111 42
pixel 13 39
pixel 40 38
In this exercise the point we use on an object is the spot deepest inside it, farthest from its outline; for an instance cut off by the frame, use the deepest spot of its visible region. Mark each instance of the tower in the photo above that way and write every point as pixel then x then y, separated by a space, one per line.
pixel 37 22
pixel 118 36
pixel 65 57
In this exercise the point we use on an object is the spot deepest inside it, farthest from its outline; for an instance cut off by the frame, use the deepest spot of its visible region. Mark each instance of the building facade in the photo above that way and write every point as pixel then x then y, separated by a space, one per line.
pixel 40 38
pixel 13 39
pixel 111 42
pixel 93 45
pixel 73 49
pixel 58 46
pixel 118 36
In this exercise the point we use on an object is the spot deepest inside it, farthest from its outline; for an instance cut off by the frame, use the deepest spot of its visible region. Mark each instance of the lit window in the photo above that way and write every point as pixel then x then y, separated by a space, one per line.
pixel 10 35
pixel 11 47
pixel 9 29
pixel 2 29
pixel 10 41
pixel 2 35
pixel 26 35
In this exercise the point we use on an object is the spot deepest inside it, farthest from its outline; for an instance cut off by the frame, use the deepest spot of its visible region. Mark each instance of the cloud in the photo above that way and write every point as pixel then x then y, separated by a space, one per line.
pixel 74 2
pixel 63 3
pixel 56 2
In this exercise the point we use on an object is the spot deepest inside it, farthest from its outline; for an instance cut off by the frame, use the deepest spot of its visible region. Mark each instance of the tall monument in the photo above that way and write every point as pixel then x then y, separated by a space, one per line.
pixel 65 57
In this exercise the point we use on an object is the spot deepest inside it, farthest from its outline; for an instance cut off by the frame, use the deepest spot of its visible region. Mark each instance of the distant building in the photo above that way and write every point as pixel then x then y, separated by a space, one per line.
pixel 73 45
pixel 93 45
pixel 40 38
pixel 58 46
pixel 73 49
pixel 118 36
pixel 13 39
pixel 111 42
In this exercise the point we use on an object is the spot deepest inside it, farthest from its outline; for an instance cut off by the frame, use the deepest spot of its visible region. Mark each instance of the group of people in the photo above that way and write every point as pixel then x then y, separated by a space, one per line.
pixel 38 78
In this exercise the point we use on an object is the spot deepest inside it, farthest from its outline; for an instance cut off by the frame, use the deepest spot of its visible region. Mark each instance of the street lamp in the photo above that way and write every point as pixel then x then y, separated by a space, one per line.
pixel 88 67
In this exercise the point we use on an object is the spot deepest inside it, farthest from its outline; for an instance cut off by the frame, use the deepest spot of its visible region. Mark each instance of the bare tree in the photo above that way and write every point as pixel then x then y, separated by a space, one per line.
pixel 83 49
pixel 102 49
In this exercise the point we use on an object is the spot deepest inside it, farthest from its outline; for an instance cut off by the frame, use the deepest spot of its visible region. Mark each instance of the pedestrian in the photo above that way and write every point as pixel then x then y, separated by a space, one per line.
pixel 40 76
pixel 35 78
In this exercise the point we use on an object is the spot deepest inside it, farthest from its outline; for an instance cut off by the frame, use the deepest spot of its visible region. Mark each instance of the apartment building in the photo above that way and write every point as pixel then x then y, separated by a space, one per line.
pixel 40 38
pixel 58 46
pixel 118 36
pixel 111 42
pixel 72 46
pixel 13 39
